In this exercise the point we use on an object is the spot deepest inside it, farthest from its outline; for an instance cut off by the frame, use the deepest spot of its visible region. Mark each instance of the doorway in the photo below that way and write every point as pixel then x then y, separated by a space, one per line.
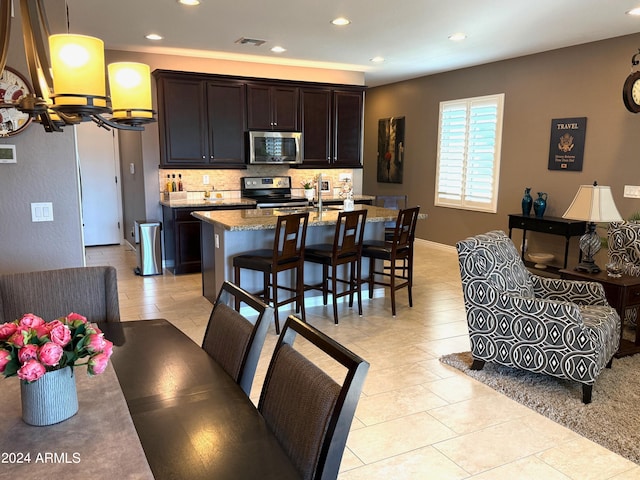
pixel 99 185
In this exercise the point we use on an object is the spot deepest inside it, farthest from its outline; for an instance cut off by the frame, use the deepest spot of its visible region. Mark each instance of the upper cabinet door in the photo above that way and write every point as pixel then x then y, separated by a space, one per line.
pixel 347 119
pixel 271 107
pixel 182 121
pixel 316 126
pixel 226 107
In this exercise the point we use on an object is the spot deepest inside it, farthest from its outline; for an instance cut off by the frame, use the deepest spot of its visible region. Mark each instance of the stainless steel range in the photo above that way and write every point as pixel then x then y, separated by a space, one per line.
pixel 270 192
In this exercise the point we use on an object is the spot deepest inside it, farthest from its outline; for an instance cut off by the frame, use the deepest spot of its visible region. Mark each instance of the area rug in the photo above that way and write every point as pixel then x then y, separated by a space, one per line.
pixel 612 419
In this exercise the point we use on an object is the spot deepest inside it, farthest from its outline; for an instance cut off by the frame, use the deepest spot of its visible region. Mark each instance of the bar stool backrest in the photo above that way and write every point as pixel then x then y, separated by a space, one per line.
pixel 290 237
pixel 405 229
pixel 347 240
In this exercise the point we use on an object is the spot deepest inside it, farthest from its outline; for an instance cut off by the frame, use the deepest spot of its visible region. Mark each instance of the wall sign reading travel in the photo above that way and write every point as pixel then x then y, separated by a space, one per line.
pixel 566 149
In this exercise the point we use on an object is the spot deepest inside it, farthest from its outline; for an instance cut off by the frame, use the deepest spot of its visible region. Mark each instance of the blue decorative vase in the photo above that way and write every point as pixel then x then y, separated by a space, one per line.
pixel 527 202
pixel 540 204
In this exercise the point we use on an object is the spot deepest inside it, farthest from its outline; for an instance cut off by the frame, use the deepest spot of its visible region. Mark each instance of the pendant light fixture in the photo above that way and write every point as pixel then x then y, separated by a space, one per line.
pixel 73 88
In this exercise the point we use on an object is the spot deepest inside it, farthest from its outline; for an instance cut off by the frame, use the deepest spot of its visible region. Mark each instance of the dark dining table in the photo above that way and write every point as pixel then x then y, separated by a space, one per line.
pixel 192 419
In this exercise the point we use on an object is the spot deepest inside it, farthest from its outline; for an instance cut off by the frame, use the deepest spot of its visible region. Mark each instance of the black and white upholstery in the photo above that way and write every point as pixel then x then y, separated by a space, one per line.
pixel 624 249
pixel 558 327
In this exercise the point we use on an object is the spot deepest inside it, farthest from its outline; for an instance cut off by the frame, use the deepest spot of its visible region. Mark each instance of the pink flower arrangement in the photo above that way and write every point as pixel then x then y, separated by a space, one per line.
pixel 30 347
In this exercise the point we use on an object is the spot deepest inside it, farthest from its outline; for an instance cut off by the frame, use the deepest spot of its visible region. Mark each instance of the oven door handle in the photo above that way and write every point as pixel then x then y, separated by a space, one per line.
pixel 282 204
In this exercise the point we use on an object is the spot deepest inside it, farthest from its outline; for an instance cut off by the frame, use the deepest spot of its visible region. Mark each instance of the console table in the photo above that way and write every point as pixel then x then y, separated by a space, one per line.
pixel 551 225
pixel 621 293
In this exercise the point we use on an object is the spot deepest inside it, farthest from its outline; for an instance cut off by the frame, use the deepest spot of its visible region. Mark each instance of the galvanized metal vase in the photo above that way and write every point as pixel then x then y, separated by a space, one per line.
pixel 50 399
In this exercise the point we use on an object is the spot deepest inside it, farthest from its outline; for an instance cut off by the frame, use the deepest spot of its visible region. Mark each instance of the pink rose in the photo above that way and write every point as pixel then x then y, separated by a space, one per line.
pixel 72 317
pixel 28 352
pixel 96 342
pixel 17 338
pixel 50 354
pixel 108 348
pixel 31 371
pixel 7 329
pixel 60 334
pixel 31 321
pixel 92 328
pixel 97 364
pixel 5 357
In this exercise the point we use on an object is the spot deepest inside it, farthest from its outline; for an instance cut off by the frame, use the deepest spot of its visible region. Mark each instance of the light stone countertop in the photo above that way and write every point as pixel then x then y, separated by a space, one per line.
pixel 238 201
pixel 266 218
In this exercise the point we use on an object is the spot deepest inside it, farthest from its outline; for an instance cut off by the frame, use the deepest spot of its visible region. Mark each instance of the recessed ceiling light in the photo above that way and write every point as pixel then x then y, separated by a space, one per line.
pixel 278 49
pixel 341 21
pixel 153 36
pixel 189 2
pixel 634 11
pixel 377 59
pixel 456 37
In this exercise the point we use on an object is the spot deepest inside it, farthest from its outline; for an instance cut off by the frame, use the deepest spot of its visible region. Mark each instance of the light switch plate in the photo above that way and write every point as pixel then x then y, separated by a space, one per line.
pixel 631 191
pixel 42 212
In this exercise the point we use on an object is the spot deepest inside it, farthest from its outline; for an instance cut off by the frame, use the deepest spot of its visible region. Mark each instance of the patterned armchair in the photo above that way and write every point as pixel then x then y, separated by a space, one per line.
pixel 559 327
pixel 624 249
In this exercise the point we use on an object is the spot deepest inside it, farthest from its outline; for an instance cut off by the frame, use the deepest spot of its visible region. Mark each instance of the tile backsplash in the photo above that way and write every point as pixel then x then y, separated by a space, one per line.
pixel 227 182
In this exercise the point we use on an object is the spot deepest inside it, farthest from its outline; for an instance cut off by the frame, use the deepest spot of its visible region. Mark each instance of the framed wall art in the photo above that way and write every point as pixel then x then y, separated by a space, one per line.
pixel 566 148
pixel 390 149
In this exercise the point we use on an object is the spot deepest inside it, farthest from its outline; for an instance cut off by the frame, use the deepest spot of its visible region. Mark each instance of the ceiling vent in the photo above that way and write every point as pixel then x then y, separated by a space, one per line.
pixel 250 41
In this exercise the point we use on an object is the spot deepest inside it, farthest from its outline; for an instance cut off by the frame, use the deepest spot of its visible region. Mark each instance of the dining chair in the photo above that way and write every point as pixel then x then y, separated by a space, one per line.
pixel 346 249
pixel 235 338
pixel 399 247
pixel 50 294
pixel 287 253
pixel 309 412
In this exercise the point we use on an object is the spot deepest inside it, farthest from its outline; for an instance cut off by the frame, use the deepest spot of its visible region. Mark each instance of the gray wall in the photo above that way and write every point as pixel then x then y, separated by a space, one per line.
pixel 582 81
pixel 46 171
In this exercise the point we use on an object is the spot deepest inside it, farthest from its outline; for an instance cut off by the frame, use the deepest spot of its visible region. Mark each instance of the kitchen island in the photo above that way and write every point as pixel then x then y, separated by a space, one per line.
pixel 225 234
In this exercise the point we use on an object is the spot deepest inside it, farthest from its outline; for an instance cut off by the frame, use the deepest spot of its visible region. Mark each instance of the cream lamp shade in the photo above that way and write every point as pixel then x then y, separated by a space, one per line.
pixel 593 203
pixel 130 89
pixel 77 63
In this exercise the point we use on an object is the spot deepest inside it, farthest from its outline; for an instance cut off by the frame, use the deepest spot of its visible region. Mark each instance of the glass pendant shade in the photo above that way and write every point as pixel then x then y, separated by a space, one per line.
pixel 77 62
pixel 130 90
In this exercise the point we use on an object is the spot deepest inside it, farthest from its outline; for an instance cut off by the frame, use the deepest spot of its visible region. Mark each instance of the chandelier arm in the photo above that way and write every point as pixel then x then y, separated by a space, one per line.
pixel 5 31
pixel 106 123
pixel 34 45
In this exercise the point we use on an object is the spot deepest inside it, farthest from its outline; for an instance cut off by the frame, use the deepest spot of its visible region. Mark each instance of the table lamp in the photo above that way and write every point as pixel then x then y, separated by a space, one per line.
pixel 593 204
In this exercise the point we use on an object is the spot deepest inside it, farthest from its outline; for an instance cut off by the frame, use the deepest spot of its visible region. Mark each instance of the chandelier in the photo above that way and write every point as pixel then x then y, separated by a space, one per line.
pixel 72 89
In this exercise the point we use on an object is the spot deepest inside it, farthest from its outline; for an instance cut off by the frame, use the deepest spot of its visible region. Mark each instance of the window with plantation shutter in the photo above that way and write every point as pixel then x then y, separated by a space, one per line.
pixel 468 165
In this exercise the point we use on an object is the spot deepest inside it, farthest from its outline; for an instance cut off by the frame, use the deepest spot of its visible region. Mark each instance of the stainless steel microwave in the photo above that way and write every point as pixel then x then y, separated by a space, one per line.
pixel 275 148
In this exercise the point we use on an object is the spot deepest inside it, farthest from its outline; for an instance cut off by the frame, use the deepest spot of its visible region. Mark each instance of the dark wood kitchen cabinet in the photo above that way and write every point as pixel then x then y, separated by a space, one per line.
pixel 332 126
pixel 272 107
pixel 182 237
pixel 201 121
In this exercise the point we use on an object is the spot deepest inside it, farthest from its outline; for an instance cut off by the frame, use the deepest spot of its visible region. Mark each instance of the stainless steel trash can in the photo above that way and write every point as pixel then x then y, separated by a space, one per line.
pixel 148 248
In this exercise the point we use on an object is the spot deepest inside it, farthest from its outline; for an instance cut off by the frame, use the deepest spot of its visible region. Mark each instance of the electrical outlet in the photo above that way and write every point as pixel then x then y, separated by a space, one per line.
pixel 205 179
pixel 217 240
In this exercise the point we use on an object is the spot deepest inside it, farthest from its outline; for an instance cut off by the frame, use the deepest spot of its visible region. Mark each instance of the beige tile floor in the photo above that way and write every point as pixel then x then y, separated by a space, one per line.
pixel 416 419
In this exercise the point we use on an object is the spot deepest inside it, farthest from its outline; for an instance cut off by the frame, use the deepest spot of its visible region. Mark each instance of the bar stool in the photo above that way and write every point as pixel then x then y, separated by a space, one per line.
pixel 400 247
pixel 287 254
pixel 345 250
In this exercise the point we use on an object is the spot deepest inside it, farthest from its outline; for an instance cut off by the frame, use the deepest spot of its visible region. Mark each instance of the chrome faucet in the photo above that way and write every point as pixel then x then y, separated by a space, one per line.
pixel 319 183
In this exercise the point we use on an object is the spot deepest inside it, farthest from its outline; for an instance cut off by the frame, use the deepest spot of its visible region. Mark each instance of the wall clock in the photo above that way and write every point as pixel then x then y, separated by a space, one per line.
pixel 13 86
pixel 631 92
